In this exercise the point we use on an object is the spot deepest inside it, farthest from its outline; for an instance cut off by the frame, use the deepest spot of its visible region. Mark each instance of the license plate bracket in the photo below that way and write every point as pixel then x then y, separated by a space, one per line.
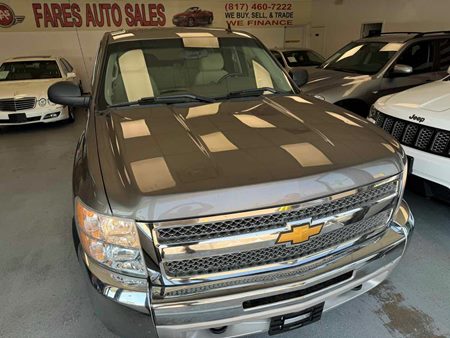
pixel 17 118
pixel 295 320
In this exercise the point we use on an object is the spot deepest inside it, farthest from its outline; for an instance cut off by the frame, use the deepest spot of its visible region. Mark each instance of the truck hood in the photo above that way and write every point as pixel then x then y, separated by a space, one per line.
pixel 34 88
pixel 322 80
pixel 186 160
pixel 433 96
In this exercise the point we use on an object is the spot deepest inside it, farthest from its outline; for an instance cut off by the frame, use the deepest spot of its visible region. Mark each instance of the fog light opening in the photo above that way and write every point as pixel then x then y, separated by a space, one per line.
pixel 51 115
pixel 357 288
pixel 218 330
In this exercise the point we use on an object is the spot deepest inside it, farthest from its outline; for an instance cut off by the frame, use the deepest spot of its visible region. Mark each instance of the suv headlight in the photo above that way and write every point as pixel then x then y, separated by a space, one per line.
pixel 111 241
pixel 373 115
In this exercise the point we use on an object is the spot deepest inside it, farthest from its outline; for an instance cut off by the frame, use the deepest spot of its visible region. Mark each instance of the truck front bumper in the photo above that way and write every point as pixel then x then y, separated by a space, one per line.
pixel 126 307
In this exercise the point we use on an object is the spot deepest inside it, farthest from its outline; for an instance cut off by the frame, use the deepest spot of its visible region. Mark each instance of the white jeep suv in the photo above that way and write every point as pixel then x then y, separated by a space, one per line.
pixel 24 82
pixel 419 118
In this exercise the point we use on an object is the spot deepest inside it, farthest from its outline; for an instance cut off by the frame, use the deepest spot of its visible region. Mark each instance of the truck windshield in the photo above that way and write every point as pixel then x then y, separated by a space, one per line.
pixel 206 67
pixel 362 57
pixel 29 70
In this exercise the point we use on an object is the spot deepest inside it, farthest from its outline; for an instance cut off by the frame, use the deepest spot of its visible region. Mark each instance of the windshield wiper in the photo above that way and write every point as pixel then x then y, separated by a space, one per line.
pixel 164 99
pixel 252 92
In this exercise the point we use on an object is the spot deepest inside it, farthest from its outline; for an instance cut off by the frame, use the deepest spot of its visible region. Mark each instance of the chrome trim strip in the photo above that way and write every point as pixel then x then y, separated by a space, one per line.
pixel 268 211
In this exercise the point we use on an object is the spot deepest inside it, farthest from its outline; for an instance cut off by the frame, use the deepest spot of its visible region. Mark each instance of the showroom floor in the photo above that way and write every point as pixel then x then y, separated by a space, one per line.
pixel 42 292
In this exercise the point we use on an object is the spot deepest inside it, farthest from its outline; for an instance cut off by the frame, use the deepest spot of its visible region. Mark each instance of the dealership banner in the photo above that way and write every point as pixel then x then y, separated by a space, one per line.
pixel 23 15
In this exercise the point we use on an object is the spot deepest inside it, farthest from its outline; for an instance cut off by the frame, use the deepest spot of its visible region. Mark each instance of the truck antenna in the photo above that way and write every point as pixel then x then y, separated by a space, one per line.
pixel 229 28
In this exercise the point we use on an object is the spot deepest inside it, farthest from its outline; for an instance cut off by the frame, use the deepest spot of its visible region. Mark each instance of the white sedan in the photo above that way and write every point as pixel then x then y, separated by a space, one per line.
pixel 24 82
pixel 419 118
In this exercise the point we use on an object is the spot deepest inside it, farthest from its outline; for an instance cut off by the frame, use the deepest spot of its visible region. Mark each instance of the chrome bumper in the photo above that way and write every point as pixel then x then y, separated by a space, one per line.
pixel 126 308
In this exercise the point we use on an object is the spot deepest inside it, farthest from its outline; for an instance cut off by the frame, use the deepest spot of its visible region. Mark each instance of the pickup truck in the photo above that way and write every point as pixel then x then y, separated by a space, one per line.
pixel 212 199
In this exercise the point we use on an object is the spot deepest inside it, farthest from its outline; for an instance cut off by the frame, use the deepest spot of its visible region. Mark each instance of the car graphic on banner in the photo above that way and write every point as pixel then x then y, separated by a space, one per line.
pixel 192 17
pixel 7 16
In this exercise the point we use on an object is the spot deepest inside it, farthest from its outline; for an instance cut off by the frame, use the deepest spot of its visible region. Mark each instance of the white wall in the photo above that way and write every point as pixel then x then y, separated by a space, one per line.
pixel 342 19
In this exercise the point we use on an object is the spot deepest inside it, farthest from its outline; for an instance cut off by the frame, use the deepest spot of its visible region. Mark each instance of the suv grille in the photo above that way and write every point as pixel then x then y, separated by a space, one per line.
pixel 17 104
pixel 232 227
pixel 414 135
pixel 278 253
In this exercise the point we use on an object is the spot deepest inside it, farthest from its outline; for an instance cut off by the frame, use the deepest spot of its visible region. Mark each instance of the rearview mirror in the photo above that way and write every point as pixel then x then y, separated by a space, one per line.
pixel 400 69
pixel 300 77
pixel 71 75
pixel 67 94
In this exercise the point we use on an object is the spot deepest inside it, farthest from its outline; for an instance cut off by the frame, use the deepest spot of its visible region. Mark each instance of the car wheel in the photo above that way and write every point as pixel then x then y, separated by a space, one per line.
pixel 191 22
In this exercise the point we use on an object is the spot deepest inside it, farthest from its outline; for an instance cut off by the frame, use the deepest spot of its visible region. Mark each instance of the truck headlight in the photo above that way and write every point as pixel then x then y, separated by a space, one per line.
pixel 111 241
pixel 373 115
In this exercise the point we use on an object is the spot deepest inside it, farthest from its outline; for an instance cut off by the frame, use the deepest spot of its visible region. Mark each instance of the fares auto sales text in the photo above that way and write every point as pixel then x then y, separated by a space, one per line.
pixel 98 14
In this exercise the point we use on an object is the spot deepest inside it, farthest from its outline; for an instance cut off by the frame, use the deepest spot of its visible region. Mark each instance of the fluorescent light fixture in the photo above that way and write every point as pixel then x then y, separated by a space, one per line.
pixel 350 52
pixel 299 99
pixel 262 76
pixel 344 119
pixel 152 174
pixel 199 40
pixel 391 47
pixel 253 121
pixel 203 110
pixel 122 36
pixel 306 154
pixel 135 76
pixel 217 142
pixel 133 129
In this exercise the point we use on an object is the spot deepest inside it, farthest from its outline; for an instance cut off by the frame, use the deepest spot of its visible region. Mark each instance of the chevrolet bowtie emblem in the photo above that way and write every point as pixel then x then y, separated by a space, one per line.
pixel 299 233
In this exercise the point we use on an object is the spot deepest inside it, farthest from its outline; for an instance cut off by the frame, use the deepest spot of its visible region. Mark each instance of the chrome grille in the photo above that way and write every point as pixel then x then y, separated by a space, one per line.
pixel 16 104
pixel 278 253
pixel 432 140
pixel 231 227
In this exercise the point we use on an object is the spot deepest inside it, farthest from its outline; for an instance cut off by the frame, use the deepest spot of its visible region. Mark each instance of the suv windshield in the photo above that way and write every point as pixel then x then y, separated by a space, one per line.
pixel 206 67
pixel 29 70
pixel 302 58
pixel 362 57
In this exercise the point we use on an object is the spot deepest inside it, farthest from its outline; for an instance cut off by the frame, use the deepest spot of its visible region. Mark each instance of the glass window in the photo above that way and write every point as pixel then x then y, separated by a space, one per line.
pixel 444 54
pixel 362 57
pixel 419 56
pixel 29 70
pixel 302 58
pixel 166 67
pixel 278 57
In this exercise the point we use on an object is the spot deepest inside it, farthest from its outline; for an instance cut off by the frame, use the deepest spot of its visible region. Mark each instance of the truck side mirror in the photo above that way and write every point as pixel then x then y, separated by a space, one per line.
pixel 300 77
pixel 67 94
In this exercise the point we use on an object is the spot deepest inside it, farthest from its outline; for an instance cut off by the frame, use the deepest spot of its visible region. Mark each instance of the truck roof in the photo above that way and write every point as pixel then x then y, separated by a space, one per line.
pixel 170 33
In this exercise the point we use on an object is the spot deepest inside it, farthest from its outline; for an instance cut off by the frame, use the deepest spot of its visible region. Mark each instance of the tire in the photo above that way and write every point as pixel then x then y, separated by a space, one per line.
pixel 191 22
